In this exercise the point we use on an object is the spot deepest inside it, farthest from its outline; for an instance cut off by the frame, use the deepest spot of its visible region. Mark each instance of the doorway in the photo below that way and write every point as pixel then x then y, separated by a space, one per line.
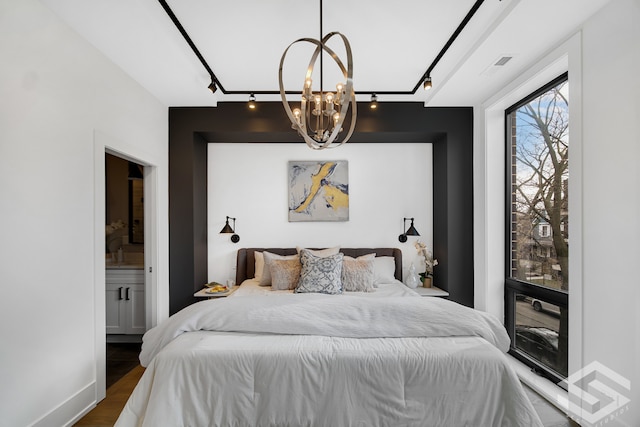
pixel 125 308
pixel 155 300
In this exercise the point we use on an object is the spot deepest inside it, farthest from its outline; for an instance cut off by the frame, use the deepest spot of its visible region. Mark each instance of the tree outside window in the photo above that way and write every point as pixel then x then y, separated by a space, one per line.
pixel 539 183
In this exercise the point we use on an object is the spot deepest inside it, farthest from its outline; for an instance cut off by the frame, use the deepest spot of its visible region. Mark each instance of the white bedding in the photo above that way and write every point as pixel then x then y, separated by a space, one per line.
pixel 394 289
pixel 320 360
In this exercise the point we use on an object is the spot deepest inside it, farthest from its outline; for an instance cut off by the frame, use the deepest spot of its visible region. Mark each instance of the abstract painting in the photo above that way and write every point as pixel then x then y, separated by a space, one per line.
pixel 319 190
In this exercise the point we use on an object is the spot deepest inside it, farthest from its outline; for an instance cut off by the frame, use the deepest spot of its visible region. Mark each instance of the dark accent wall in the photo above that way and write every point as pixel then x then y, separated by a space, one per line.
pixel 450 129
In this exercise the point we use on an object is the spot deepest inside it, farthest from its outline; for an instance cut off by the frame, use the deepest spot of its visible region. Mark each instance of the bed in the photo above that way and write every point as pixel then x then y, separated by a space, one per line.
pixel 383 356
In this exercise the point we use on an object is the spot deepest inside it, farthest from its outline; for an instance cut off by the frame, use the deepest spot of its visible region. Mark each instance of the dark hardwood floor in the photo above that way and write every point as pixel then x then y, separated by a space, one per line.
pixel 121 358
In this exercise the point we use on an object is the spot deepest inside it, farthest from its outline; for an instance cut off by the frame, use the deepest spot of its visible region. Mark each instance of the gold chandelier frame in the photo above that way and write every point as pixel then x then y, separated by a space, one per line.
pixel 322 135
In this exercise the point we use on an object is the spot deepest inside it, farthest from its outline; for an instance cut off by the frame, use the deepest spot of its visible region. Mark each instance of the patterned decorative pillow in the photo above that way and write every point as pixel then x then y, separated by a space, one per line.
pixel 320 274
pixel 285 274
pixel 358 273
pixel 268 258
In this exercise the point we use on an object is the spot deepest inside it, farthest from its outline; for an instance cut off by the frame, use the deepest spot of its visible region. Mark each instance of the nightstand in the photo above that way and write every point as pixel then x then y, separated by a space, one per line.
pixel 431 292
pixel 202 293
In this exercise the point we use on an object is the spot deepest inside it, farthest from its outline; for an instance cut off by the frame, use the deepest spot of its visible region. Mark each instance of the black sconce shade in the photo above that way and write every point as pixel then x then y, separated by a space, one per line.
pixel 227 229
pixel 410 232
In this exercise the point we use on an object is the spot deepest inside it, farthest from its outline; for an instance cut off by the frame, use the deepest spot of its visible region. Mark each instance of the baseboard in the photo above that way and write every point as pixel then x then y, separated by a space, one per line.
pixel 71 410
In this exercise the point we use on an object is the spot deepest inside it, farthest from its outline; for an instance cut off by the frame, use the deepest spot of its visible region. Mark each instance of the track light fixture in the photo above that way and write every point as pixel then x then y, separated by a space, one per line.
pixel 427 83
pixel 252 102
pixel 212 86
pixel 374 102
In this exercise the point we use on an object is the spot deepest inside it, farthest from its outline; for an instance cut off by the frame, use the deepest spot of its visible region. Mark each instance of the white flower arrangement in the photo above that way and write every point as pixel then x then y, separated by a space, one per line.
pixel 429 261
pixel 113 232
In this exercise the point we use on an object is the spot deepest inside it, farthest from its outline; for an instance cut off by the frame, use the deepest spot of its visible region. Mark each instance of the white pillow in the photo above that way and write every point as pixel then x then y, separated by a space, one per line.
pixel 385 268
pixel 259 265
pixel 321 252
pixel 265 280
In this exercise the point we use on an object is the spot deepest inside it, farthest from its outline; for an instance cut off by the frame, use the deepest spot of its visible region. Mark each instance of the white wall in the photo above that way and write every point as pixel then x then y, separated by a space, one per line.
pixel 611 195
pixel 603 60
pixel 56 94
pixel 387 182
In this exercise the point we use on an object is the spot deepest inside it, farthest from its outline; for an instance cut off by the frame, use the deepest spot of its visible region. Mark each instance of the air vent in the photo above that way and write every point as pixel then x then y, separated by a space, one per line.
pixel 503 60
pixel 497 64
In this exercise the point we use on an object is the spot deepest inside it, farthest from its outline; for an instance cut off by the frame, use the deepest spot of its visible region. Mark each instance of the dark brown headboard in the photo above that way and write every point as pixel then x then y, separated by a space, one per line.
pixel 246 262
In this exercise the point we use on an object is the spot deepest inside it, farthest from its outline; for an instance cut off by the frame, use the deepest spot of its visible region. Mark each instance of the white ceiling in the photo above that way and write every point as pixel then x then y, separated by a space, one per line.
pixel 393 43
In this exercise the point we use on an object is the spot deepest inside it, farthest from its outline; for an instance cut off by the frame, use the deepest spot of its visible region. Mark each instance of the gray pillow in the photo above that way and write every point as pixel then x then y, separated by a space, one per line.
pixel 320 274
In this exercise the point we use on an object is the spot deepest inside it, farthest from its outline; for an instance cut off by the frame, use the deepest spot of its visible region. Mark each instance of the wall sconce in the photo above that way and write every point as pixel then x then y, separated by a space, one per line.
pixel 228 230
pixel 410 232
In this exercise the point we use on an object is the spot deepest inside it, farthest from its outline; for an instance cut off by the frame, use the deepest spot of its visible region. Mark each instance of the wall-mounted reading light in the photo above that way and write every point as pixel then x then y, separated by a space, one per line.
pixel 252 102
pixel 410 232
pixel 227 229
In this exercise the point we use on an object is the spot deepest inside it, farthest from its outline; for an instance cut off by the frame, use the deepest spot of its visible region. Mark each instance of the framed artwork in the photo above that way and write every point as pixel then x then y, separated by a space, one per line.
pixel 318 190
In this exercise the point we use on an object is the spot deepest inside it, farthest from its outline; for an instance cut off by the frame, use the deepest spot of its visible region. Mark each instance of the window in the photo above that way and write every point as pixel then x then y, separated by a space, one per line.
pixel 537 276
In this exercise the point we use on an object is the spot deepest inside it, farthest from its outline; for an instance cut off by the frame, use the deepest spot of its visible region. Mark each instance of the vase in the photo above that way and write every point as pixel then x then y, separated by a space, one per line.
pixel 426 283
pixel 412 280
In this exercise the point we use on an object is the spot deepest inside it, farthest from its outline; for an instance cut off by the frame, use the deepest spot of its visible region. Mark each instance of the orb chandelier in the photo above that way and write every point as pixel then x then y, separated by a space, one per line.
pixel 321 114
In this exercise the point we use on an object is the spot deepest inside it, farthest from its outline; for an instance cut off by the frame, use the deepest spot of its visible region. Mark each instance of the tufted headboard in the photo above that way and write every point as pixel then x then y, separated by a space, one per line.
pixel 246 262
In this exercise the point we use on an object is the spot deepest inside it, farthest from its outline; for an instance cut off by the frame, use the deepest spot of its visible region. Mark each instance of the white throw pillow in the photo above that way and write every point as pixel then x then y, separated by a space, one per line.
pixel 259 257
pixel 321 252
pixel 385 268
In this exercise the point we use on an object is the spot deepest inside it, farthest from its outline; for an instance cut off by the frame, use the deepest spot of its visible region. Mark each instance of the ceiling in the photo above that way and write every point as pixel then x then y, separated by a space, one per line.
pixel 393 44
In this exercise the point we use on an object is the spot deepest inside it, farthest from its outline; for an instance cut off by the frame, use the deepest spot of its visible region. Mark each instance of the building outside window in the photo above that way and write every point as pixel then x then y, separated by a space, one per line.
pixel 537 276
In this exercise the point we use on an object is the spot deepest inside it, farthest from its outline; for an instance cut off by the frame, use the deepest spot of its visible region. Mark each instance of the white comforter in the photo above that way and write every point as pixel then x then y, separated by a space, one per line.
pixel 318 360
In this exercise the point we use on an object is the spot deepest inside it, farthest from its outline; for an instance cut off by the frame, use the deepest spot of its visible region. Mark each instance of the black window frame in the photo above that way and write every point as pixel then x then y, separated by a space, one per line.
pixel 513 286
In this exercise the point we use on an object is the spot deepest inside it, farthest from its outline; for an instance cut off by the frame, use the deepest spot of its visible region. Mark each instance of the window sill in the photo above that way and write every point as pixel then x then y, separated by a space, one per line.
pixel 554 394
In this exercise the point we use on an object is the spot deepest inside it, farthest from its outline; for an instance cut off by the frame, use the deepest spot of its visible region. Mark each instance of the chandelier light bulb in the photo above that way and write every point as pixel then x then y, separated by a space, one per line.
pixel 329 98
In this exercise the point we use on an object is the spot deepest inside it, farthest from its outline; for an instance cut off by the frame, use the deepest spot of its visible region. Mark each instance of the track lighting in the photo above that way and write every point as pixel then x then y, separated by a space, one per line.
pixel 374 102
pixel 427 83
pixel 252 102
pixel 212 86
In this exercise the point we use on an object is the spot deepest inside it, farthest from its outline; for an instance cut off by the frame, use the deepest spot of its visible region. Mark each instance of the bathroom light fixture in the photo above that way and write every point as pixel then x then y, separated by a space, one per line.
pixel 427 83
pixel 227 229
pixel 374 102
pixel 252 102
pixel 410 232
pixel 322 113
